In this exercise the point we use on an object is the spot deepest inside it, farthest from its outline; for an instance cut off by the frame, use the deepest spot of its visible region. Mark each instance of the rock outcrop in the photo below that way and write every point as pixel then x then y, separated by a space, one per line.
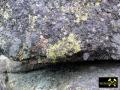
pixel 37 33
pixel 43 31
pixel 65 76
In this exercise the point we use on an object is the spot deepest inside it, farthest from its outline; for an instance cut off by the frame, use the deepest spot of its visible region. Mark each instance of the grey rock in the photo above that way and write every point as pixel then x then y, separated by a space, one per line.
pixel 47 32
pixel 24 22
pixel 50 19
pixel 65 77
pixel 86 56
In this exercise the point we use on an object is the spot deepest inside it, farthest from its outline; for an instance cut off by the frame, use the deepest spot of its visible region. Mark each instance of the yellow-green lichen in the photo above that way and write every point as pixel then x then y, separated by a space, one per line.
pixel 63 47
pixel 80 13
pixel 32 20
pixel 24 52
pixel 98 2
pixel 6 15
pixel 81 17
pixel 6 12
pixel 92 4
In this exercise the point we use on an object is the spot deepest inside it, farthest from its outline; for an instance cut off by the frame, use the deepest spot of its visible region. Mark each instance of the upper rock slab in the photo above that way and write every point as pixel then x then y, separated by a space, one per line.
pixel 42 31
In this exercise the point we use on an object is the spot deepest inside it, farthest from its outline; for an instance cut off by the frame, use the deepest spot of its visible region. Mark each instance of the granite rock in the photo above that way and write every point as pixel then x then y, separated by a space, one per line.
pixel 44 31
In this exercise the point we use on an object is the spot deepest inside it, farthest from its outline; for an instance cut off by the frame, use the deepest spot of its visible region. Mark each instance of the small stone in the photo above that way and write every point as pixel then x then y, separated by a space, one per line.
pixel 86 56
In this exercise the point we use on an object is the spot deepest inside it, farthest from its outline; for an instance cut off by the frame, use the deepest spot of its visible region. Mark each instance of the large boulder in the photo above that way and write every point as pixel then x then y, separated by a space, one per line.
pixel 41 33
pixel 50 31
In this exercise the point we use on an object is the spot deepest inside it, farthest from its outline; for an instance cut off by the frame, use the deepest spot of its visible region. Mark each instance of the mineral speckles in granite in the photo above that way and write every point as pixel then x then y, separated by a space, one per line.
pixel 6 12
pixel 32 20
pixel 22 23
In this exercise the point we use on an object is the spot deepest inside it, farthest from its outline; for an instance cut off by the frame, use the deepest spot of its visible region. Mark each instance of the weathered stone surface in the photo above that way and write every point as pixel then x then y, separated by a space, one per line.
pixel 35 33
pixel 10 66
pixel 65 77
pixel 43 31
pixel 3 81
pixel 62 76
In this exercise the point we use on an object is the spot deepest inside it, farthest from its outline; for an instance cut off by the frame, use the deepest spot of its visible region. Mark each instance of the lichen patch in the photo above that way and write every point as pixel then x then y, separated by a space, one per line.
pixel 7 12
pixel 32 20
pixel 65 46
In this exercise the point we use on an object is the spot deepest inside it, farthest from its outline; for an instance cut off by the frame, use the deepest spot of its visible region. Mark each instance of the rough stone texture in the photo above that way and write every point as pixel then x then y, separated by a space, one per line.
pixel 74 76
pixel 42 31
pixel 36 33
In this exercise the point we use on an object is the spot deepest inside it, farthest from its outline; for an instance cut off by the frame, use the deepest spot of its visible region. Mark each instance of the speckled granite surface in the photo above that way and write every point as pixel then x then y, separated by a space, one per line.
pixel 43 31
pixel 37 33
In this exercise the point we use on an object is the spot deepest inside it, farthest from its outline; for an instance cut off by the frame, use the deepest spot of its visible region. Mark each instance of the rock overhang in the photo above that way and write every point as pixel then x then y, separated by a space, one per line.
pixel 32 30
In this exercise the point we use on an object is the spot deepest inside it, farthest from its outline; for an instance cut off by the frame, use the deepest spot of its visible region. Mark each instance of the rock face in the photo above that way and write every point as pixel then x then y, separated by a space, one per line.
pixel 40 31
pixel 74 76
